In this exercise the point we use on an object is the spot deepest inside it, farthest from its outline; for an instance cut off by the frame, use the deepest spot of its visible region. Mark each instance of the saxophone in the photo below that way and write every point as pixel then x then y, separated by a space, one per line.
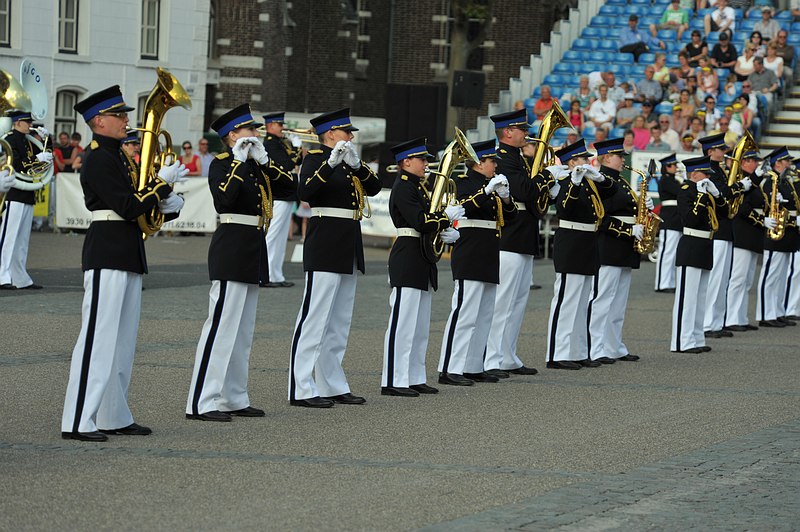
pixel 780 214
pixel 649 220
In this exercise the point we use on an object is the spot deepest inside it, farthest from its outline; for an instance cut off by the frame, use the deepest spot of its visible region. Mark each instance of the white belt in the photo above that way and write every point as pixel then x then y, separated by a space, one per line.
pixel 106 215
pixel 241 219
pixel 759 211
pixel 577 226
pixel 669 203
pixel 696 232
pixel 792 213
pixel 333 212
pixel 625 219
pixel 480 224
pixel 520 206
pixel 407 231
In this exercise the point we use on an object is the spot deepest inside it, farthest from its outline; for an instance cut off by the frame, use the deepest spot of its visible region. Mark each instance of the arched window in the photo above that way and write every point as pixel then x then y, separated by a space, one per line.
pixel 65 116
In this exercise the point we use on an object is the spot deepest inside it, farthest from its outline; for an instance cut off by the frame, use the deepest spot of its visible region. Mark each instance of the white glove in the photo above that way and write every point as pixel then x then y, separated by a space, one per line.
pixel 494 183
pixel 577 174
pixel 242 148
pixel 171 204
pixel 797 221
pixel 637 231
pixel 770 223
pixel 259 152
pixel 747 183
pixel 454 212
pixel 295 140
pixel 712 189
pixel 702 186
pixel 555 189
pixel 174 173
pixel 502 189
pixel 781 199
pixel 593 174
pixel 351 156
pixel 44 157
pixel 337 155
pixel 449 235
pixel 648 203
pixel 42 131
pixel 6 181
pixel 558 171
pixel 760 171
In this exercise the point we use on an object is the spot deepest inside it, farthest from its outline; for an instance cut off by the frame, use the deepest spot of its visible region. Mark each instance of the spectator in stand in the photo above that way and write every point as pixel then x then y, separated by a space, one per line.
pixel 722 19
pixel 687 144
pixel 205 156
pixel 636 42
pixel 752 100
pixel 773 62
pixel 674 18
pixel 707 80
pixel 641 132
pixel 601 113
pixel 584 94
pixel 696 49
pixel 627 112
pixel 730 138
pixel 691 86
pixel 733 125
pixel 696 128
pixel 745 64
pixel 615 93
pixel 759 48
pixel 686 109
pixel 668 135
pixel 724 54
pixel 684 70
pixel 575 115
pixel 661 71
pixel 767 26
pixel 656 142
pixel 763 82
pixel 542 105
pixel 648 89
pixel 190 160
pixel 730 85
pixel 628 141
pixel 712 114
pixel 786 52
pixel 62 151
pixel 649 115
pixel 743 116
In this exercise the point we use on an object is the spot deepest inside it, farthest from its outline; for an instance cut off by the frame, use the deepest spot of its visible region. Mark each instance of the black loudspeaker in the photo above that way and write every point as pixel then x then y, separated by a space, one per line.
pixel 416 111
pixel 468 89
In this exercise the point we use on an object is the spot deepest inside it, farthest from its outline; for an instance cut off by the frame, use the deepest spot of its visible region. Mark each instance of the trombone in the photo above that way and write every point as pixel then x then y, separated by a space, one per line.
pixel 306 135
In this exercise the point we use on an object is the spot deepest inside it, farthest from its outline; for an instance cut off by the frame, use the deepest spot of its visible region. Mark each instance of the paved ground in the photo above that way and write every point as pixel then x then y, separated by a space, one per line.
pixel 669 442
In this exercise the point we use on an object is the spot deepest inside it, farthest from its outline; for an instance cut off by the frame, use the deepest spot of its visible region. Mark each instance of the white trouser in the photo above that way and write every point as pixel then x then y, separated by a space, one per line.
pixel 665 266
pixel 320 336
pixel 742 274
pixel 792 301
pixel 15 237
pixel 772 285
pixel 406 341
pixel 221 362
pixel 567 327
pixel 102 361
pixel 688 310
pixel 467 329
pixel 606 313
pixel 718 286
pixel 516 272
pixel 277 234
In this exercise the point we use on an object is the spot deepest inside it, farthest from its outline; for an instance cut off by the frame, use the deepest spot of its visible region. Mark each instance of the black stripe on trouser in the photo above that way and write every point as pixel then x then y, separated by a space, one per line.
pixel 681 302
pixel 303 315
pixel 556 312
pixel 5 226
pixel 87 350
pixel 451 333
pixel 789 283
pixel 762 288
pixel 212 335
pixel 661 258
pixel 392 335
pixel 596 288
pixel 730 271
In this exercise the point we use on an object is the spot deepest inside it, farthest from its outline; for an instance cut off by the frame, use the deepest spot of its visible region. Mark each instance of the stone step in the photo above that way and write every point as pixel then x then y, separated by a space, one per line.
pixel 770 142
pixel 787 117
pixel 783 130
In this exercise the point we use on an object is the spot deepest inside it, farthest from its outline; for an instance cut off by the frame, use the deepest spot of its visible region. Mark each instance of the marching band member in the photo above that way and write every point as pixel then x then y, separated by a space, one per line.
pixel 130 147
pixel 579 205
pixel 668 187
pixel 793 280
pixel 113 262
pixel 241 182
pixel 413 277
pixel 284 155
pixel 618 258
pixel 335 182
pixel 770 306
pixel 519 242
pixel 698 203
pixel 15 230
pixel 475 262
pixel 748 243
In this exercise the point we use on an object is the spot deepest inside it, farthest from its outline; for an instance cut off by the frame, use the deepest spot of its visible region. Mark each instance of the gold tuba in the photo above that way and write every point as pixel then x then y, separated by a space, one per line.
pixel 554 120
pixel 745 144
pixel 12 96
pixel 649 220
pixel 167 93
pixel 444 190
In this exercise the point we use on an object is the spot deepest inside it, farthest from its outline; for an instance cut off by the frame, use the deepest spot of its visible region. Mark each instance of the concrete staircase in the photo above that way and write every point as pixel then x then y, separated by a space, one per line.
pixel 784 128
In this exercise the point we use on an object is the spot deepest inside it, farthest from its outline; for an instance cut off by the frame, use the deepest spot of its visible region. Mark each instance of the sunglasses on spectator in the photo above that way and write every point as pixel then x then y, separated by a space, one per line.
pixel 187 147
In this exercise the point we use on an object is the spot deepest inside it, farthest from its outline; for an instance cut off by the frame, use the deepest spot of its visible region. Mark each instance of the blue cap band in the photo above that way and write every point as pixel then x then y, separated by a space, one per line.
pixel 491 152
pixel 339 122
pixel 416 151
pixel 235 123
pixel 102 106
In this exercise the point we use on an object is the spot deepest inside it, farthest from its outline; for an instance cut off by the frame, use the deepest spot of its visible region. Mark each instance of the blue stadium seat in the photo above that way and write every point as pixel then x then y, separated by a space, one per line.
pixel 610 10
pixel 664 108
pixel 613 33
pixel 529 102
pixel 593 32
pixel 607 45
pixel 724 99
pixel 696 24
pixel 646 20
pixel 637 71
pixel 616 133
pixel 617 2
pixel 623 58
pixel 600 21
pixel 584 44
pixel 555 80
pixel 620 70
pixel 649 57
pixel 537 91
pixel 722 74
pixel 572 56
pixel 703 12
pixel 784 17
pixel 795 27
pixel 746 25
pixel 589 133
pixel 562 68
pixel 793 38
pixel 666 35
pixel 599 57
pixel 637 10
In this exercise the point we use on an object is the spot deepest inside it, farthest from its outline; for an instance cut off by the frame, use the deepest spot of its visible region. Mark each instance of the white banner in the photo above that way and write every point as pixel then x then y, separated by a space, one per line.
pixel 380 223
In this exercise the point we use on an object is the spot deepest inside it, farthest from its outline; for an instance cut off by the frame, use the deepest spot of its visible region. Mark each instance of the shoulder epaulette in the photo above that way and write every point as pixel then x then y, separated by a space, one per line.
pixel 314 151
pixel 461 176
pixel 684 186
pixel 223 155
pixel 503 150
pixel 94 145
pixel 404 178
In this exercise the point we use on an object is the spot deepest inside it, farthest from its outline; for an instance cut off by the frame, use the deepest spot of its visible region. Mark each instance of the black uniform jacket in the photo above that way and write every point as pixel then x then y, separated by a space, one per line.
pixel 697 212
pixel 576 251
pixel 238 252
pixel 24 155
pixel 720 178
pixel 521 233
pixel 615 238
pixel 476 254
pixel 791 239
pixel 408 206
pixel 334 244
pixel 108 183
pixel 283 158
pixel 748 225
pixel 668 188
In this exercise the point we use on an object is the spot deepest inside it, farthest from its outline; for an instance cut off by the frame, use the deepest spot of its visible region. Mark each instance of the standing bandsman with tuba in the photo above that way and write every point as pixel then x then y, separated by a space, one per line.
pixel 335 182
pixel 113 262
pixel 15 230
pixel 793 280
pixel 413 277
pixel 668 187
pixel 241 181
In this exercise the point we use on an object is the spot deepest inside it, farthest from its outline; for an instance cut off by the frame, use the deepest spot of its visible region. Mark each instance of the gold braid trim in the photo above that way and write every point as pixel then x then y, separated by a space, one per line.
pixel 266 201
pixel 599 211
pixel 712 215
pixel 500 219
pixel 360 196
pixel 231 174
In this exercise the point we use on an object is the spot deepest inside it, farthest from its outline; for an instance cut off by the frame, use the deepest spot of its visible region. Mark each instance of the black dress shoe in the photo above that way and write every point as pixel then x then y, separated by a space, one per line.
pixel 481 377
pixel 499 373
pixel 713 334
pixel 399 392
pixel 282 284
pixel 788 323
pixel 588 363
pixel 751 327
pixel 771 323
pixel 33 286
pixel 247 412
pixel 725 334
pixel 793 318
pixel 605 360
pixel 131 430
pixel 666 291
pixel 213 415
pixel 424 388
pixel 563 364
pixel 629 358
pixel 347 399
pixel 285 284
pixel 312 402
pixel 84 436
pixel 454 379
pixel 524 370
pixel 692 350
pixel 536 287
pixel 735 328
pixel 705 348
pixel 9 286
